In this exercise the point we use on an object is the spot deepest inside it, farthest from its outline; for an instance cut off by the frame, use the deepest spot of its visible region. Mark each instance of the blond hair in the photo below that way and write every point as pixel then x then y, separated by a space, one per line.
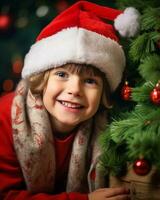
pixel 38 82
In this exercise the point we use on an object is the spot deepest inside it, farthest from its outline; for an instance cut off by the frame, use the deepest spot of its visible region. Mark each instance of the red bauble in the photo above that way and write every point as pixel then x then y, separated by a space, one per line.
pixel 141 167
pixel 5 21
pixel 155 95
pixel 126 92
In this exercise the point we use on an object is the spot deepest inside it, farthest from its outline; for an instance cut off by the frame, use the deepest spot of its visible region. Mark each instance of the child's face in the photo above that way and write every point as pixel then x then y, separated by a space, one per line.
pixel 71 98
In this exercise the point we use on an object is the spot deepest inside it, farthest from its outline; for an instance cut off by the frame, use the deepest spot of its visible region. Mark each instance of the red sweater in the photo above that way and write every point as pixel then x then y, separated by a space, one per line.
pixel 12 184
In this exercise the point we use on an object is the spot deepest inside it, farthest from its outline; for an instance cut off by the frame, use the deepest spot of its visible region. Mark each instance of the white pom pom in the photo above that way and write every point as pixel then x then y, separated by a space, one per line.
pixel 128 23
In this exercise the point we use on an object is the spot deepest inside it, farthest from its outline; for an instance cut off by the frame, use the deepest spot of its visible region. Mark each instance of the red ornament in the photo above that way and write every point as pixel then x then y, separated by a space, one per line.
pixel 155 95
pixel 5 21
pixel 141 167
pixel 126 92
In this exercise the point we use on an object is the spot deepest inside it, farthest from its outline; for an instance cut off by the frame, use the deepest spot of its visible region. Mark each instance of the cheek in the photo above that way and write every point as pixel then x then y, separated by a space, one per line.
pixel 45 99
pixel 95 101
pixel 47 96
pixel 98 96
pixel 50 94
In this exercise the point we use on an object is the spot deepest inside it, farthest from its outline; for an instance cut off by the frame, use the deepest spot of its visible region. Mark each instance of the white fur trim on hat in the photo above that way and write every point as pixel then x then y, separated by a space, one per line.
pixel 76 45
pixel 127 23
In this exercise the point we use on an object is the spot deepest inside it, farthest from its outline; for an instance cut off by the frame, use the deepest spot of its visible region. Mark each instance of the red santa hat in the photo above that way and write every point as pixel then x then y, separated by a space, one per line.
pixel 81 34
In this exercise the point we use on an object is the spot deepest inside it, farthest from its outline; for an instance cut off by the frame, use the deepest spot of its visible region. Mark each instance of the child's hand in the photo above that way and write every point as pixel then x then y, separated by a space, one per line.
pixel 120 193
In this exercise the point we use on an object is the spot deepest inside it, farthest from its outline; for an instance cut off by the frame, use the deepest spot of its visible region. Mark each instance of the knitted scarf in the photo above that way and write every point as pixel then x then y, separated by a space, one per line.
pixel 34 145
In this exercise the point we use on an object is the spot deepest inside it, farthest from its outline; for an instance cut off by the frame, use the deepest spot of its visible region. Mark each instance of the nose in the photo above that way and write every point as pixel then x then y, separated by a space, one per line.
pixel 74 87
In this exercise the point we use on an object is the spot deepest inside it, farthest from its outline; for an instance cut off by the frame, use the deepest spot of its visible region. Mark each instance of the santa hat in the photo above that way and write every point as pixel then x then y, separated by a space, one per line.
pixel 81 34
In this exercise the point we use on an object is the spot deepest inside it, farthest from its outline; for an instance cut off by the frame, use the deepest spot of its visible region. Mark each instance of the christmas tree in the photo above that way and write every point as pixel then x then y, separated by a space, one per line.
pixel 131 143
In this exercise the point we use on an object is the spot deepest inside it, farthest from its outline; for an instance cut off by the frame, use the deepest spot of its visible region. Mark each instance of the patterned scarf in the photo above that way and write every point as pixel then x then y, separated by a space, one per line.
pixel 34 145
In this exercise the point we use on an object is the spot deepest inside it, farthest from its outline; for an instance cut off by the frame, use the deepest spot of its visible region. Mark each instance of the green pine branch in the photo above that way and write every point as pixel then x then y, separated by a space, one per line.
pixel 150 68
pixel 129 139
pixel 141 94
pixel 143 45
pixel 150 19
pixel 140 5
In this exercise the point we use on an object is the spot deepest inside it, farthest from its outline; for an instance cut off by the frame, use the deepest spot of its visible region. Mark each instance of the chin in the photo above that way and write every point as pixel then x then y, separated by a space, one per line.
pixel 65 123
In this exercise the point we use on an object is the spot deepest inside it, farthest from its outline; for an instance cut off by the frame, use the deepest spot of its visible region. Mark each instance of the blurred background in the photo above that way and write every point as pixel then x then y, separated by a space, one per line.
pixel 20 23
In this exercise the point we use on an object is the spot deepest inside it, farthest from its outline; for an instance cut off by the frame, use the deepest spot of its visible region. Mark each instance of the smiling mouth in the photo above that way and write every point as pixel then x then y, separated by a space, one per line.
pixel 71 105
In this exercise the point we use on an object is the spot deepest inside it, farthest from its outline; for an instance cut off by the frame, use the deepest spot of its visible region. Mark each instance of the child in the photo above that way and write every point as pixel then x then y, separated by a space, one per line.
pixel 50 124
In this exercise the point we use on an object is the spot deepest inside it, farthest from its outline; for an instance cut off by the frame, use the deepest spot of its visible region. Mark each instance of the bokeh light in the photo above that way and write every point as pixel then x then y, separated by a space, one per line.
pixel 17 66
pixel 21 22
pixel 8 85
pixel 5 21
pixel 61 5
pixel 42 11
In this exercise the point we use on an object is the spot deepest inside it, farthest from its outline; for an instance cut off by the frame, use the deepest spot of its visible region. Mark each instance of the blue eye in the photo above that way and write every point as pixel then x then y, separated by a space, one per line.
pixel 61 74
pixel 91 81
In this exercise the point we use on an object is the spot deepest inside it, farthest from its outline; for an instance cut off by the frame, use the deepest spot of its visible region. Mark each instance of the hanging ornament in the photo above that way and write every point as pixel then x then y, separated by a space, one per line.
pixel 5 21
pixel 155 94
pixel 126 92
pixel 141 167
